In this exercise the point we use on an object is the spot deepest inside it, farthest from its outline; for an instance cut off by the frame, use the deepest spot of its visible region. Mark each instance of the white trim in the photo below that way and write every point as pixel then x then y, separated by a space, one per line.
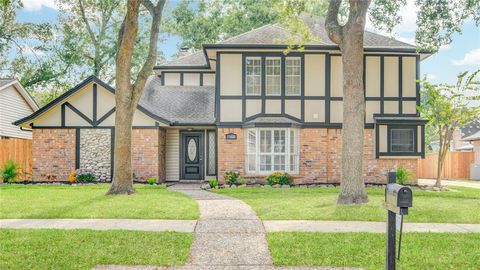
pixel 287 154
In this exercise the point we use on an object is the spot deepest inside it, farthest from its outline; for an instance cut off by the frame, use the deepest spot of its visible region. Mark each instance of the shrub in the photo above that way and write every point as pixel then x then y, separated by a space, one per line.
pixel 85 176
pixel 9 171
pixel 278 178
pixel 231 178
pixel 152 180
pixel 242 181
pixel 403 175
pixel 213 183
pixel 72 178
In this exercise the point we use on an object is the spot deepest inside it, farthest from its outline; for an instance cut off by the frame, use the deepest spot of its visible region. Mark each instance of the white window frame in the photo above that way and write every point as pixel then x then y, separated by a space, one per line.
pixel 274 89
pixel 292 152
pixel 292 89
pixel 253 91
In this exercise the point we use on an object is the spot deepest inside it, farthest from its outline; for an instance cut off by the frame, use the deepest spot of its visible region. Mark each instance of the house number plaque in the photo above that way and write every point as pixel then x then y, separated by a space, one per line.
pixel 231 136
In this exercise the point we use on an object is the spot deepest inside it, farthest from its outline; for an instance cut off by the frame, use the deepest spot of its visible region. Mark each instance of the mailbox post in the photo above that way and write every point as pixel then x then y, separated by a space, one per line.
pixel 398 199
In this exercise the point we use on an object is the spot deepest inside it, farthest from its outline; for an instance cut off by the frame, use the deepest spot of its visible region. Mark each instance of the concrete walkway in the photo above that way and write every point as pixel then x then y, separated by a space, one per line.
pixel 363 226
pixel 228 233
pixel 430 182
pixel 154 225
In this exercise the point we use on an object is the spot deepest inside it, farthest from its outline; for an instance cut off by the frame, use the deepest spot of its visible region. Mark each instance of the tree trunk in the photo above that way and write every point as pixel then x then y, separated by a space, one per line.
pixel 127 95
pixel 123 175
pixel 350 40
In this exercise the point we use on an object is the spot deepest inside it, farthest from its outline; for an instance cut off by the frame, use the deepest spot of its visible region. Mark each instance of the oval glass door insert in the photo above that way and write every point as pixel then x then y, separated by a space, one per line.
pixel 192 149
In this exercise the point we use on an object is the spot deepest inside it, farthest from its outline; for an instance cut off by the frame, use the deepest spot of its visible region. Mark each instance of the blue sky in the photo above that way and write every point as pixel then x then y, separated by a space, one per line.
pixel 462 54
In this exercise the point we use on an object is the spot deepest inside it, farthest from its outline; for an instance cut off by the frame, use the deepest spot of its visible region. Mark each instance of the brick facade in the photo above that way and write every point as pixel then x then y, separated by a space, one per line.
pixel 53 154
pixel 230 152
pixel 320 156
pixel 147 157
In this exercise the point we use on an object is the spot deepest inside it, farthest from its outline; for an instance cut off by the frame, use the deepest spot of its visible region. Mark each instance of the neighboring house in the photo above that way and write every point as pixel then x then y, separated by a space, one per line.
pixel 15 103
pixel 458 142
pixel 242 105
pixel 474 140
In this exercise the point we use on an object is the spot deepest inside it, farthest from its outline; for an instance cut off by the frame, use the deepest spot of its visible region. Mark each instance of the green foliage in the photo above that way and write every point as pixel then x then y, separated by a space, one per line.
pixel 448 107
pixel 213 183
pixel 231 177
pixel 9 171
pixel 278 178
pixel 403 175
pixel 85 176
pixel 242 181
pixel 151 180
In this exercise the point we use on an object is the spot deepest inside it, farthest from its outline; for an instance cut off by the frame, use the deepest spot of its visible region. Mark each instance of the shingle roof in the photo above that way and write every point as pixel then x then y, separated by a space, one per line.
pixel 473 137
pixel 274 34
pixel 179 104
pixel 4 82
pixel 470 129
pixel 194 59
pixel 271 120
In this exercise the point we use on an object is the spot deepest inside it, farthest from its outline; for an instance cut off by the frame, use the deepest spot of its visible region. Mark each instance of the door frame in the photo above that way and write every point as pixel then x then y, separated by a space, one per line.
pixel 201 149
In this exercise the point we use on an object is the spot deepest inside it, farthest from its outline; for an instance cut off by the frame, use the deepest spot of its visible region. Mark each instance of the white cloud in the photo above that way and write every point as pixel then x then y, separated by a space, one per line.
pixel 409 40
pixel 38 4
pixel 471 58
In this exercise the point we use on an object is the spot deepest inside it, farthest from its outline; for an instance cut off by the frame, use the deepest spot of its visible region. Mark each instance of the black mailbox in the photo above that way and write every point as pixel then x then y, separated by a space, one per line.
pixel 398 198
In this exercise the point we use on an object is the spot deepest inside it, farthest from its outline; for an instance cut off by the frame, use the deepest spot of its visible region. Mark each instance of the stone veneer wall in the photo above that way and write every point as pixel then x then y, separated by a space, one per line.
pixel 320 156
pixel 95 152
pixel 53 154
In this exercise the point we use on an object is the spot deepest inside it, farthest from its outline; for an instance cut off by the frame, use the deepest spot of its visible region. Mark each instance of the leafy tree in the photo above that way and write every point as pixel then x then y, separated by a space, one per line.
pixel 448 107
pixel 437 21
pixel 127 94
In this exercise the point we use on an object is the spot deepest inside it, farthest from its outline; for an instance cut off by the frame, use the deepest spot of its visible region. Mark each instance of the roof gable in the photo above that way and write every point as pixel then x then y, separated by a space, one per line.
pixel 4 83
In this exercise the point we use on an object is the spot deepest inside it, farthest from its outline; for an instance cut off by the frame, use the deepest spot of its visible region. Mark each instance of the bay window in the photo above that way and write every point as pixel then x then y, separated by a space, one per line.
pixel 253 75
pixel 293 71
pixel 272 149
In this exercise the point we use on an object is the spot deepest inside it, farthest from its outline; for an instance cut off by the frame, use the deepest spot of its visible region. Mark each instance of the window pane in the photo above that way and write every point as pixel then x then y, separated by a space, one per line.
pixel 279 141
pixel 272 76
pixel 253 75
pixel 265 141
pixel 265 163
pixel 252 162
pixel 252 135
pixel 402 140
pixel 211 152
pixel 292 76
pixel 279 163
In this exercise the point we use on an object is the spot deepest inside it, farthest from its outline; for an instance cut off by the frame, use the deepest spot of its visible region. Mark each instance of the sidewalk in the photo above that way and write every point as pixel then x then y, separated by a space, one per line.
pixel 229 225
pixel 431 182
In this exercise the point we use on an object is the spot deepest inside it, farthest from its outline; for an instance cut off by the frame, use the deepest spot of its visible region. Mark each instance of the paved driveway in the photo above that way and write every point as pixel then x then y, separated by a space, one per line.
pixel 431 182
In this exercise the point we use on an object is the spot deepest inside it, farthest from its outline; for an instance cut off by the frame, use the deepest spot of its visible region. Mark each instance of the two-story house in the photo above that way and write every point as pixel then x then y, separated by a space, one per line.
pixel 242 104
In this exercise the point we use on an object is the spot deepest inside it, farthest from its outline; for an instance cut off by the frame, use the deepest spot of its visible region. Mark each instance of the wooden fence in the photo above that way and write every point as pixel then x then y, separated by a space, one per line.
pixel 20 151
pixel 456 165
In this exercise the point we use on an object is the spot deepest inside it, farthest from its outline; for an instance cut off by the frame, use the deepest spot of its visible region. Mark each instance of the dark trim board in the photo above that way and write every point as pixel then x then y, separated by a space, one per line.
pixel 182 75
pixel 302 98
pixel 96 81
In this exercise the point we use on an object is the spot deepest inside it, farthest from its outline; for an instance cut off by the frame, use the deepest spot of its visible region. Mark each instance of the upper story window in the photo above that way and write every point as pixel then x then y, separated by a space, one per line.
pixel 293 82
pixel 273 69
pixel 402 140
pixel 253 76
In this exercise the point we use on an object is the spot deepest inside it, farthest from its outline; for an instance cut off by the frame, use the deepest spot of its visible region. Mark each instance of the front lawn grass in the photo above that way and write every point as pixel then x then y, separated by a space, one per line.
pixel 83 249
pixel 367 250
pixel 461 206
pixel 90 201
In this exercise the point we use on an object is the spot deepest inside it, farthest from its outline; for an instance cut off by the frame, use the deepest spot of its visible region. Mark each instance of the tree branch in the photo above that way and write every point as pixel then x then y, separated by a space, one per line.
pixel 146 70
pixel 334 29
pixel 87 24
